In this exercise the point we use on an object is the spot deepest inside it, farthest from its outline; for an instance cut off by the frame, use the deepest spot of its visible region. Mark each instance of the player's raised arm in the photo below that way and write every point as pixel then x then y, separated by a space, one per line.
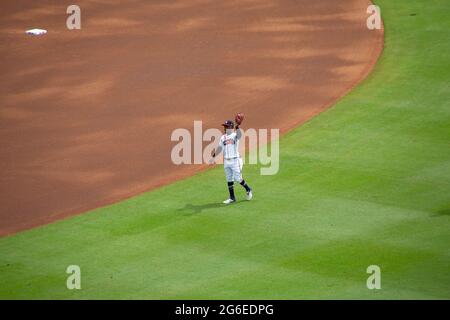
pixel 238 133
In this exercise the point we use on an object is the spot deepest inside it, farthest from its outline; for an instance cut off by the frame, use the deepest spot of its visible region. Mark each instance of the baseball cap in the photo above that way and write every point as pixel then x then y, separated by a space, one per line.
pixel 228 123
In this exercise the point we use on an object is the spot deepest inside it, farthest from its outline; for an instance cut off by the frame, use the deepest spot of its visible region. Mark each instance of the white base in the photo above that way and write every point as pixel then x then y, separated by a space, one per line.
pixel 36 32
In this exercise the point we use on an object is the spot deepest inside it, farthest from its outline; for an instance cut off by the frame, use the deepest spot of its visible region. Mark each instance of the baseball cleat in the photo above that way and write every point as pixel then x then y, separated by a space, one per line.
pixel 228 201
pixel 249 195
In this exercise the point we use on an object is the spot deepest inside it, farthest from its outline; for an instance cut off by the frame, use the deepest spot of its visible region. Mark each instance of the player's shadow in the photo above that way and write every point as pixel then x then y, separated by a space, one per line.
pixel 190 209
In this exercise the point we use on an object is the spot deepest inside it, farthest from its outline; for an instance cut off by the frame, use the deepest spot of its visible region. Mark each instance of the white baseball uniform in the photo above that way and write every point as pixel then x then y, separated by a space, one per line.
pixel 232 162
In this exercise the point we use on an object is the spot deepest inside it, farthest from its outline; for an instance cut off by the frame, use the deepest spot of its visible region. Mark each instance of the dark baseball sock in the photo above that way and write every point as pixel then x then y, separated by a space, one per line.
pixel 231 190
pixel 245 185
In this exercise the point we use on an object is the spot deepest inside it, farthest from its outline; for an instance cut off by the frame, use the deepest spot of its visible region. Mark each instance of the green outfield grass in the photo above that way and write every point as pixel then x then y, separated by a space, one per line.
pixel 367 182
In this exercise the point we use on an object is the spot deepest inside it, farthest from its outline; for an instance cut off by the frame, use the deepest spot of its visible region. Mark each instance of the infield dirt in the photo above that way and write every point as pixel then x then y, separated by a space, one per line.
pixel 86 115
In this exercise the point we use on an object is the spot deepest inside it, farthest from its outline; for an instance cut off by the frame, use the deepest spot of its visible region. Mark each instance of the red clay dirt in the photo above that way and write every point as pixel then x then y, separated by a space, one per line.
pixel 86 115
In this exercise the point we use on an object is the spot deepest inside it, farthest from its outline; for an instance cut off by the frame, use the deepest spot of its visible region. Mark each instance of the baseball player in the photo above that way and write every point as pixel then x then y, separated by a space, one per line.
pixel 232 162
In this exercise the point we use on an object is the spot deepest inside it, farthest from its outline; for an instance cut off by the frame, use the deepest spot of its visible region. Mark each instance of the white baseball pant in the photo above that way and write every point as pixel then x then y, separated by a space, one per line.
pixel 233 169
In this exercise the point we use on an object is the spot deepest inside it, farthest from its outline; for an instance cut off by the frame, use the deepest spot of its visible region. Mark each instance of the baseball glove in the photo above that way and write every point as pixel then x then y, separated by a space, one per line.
pixel 239 118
